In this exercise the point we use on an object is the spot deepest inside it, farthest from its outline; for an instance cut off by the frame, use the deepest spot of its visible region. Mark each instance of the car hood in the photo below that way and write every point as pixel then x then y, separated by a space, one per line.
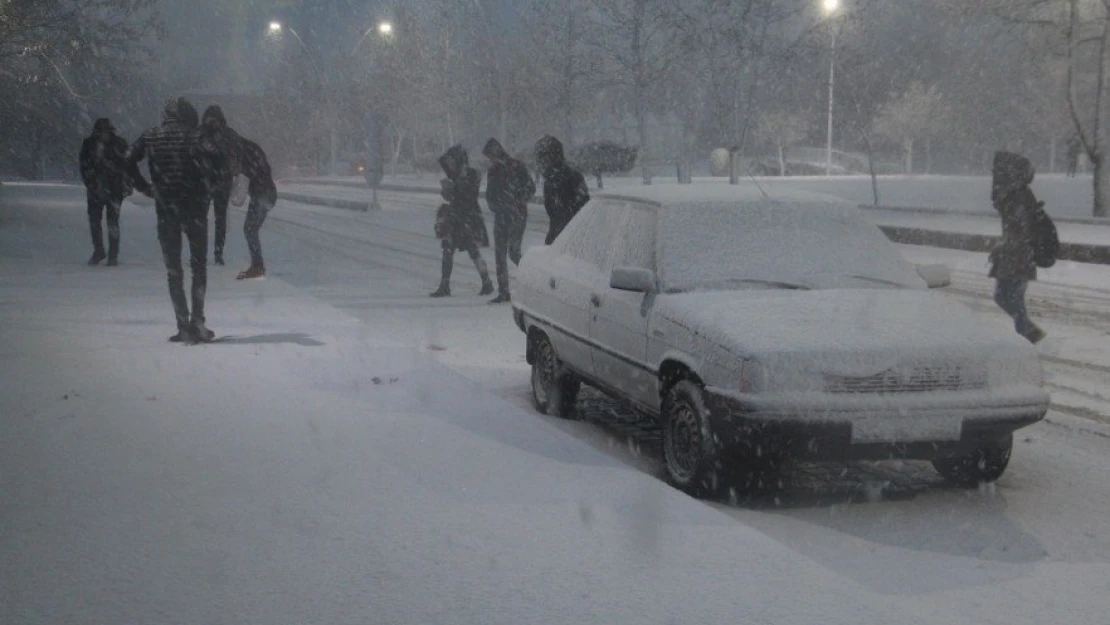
pixel 846 332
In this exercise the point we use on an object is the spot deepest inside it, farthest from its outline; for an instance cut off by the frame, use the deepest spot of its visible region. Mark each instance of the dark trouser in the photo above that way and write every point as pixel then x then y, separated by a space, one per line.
pixel 97 206
pixel 188 217
pixel 256 215
pixel 221 197
pixel 508 236
pixel 1009 294
pixel 447 264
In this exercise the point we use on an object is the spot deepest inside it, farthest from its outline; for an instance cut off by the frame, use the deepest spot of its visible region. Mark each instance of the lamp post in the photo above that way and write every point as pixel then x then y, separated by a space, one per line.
pixel 831 7
pixel 384 29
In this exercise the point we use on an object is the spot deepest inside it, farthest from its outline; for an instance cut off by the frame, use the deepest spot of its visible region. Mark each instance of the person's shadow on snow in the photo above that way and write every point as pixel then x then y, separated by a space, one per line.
pixel 295 338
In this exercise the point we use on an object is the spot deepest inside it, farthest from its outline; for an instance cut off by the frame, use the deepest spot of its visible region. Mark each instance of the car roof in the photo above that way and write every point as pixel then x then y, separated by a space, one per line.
pixel 675 205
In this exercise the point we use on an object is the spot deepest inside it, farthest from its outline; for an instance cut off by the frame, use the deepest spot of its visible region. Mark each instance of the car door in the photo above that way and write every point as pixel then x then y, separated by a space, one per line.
pixel 569 280
pixel 620 319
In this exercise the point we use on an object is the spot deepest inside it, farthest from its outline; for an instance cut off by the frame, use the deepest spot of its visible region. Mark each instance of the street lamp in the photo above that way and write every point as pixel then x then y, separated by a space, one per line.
pixel 383 28
pixel 831 7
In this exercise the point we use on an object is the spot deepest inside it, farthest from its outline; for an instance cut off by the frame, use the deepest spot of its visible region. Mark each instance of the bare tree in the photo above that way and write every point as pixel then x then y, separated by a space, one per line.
pixel 784 128
pixel 913 115
pixel 1076 32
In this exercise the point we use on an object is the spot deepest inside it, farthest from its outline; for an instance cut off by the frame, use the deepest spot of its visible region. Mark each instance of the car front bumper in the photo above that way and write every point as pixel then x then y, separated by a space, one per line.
pixel 870 429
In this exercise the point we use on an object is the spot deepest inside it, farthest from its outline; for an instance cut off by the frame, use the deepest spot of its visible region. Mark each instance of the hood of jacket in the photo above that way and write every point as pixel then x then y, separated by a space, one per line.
pixel 454 161
pixel 1010 172
pixel 180 111
pixel 216 113
pixel 495 151
pixel 549 152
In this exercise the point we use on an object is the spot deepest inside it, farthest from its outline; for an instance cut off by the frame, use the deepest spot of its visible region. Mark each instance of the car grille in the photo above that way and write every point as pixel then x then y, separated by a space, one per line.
pixel 918 379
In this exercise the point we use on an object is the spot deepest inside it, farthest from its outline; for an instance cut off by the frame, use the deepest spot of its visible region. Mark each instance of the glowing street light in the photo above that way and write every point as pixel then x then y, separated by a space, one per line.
pixel 831 7
pixel 275 27
pixel 385 29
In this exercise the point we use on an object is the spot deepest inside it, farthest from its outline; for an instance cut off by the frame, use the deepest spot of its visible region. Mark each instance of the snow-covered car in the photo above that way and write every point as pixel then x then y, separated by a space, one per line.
pixel 759 330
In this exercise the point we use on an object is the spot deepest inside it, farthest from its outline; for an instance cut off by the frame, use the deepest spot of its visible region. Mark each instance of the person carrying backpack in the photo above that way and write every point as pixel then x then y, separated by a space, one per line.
pixel 103 162
pixel 1028 239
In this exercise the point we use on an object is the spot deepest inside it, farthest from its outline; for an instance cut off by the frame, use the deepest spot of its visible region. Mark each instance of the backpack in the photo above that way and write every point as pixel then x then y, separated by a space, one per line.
pixel 1046 241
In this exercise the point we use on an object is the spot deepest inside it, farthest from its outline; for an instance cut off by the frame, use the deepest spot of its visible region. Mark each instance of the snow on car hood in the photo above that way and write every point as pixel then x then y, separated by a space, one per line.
pixel 846 332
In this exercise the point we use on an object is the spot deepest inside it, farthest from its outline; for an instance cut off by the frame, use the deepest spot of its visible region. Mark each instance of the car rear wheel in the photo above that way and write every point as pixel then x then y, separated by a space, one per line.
pixel 690 450
pixel 554 390
pixel 985 464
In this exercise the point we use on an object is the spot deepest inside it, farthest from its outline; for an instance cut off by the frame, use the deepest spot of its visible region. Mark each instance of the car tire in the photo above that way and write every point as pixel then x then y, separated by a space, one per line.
pixel 554 389
pixel 691 451
pixel 983 465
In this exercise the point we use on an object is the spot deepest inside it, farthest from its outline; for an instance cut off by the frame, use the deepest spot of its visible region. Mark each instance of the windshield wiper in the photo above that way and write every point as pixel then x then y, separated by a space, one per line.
pixel 879 281
pixel 791 286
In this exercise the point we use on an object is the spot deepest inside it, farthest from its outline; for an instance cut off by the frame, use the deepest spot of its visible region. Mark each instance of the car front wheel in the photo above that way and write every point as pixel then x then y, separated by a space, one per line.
pixel 690 450
pixel 985 464
pixel 554 390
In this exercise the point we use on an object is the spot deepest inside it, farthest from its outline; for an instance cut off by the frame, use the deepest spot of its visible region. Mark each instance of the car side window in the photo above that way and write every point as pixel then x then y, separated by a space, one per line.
pixel 606 230
pixel 636 248
pixel 595 234
pixel 570 240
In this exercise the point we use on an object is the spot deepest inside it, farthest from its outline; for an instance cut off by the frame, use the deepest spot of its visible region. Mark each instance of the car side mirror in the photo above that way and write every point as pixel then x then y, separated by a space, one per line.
pixel 936 276
pixel 633 279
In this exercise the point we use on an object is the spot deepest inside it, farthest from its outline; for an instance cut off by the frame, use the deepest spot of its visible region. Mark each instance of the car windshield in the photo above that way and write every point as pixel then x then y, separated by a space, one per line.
pixel 766 244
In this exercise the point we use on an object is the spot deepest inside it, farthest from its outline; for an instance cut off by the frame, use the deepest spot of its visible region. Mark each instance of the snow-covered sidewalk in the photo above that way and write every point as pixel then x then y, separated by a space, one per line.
pixel 309 471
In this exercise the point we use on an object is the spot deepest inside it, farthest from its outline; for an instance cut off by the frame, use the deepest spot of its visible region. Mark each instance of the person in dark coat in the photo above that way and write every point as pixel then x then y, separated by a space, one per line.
pixel 103 162
pixel 1012 260
pixel 459 222
pixel 509 186
pixel 564 189
pixel 217 137
pixel 178 183
pixel 263 194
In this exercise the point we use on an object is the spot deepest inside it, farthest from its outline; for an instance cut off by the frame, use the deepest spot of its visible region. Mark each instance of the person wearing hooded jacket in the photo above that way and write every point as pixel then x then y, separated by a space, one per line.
pixel 459 223
pixel 509 186
pixel 564 189
pixel 179 180
pixel 1012 259
pixel 216 137
pixel 103 162
pixel 263 194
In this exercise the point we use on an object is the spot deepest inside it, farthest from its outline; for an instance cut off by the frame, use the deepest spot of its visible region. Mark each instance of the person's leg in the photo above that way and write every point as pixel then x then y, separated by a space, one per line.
pixel 113 208
pixel 256 216
pixel 501 241
pixel 447 265
pixel 220 199
pixel 516 237
pixel 1010 297
pixel 96 214
pixel 169 237
pixel 196 229
pixel 480 265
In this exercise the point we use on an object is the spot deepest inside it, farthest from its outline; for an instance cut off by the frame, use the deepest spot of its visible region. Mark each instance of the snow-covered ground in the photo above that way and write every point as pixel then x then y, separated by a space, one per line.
pixel 360 453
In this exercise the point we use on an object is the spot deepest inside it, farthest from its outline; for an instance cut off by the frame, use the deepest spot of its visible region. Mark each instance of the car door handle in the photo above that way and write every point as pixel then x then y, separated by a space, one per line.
pixel 595 299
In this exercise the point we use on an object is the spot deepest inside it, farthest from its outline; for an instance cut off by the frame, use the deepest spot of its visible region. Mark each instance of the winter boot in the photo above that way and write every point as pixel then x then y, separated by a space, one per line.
pixel 252 272
pixel 1035 334
pixel 201 334
pixel 97 256
pixel 444 290
pixel 113 262
pixel 183 336
pixel 502 298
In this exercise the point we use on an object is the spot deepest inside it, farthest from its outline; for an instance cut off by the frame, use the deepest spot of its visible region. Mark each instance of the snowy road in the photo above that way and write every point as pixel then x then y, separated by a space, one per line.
pixel 1035 549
